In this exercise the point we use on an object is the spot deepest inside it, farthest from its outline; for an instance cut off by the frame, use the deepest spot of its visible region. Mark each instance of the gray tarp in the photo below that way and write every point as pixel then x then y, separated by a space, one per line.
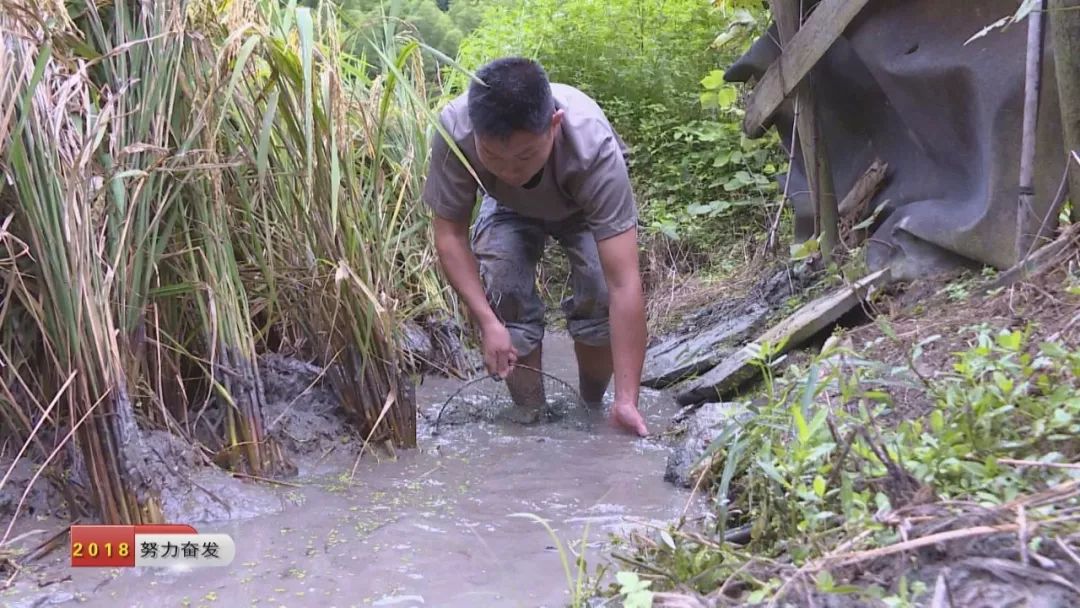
pixel 901 85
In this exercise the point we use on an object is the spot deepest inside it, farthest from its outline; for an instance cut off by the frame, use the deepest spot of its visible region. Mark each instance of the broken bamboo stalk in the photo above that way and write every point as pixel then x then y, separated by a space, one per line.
pixel 865 188
pixel 858 199
pixel 1041 260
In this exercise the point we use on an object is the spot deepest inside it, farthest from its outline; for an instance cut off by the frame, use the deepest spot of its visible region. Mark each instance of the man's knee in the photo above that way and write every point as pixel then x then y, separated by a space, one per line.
pixel 590 332
pixel 587 311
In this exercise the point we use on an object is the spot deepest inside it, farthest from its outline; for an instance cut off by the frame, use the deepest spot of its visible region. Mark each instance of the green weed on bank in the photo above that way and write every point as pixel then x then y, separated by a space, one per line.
pixel 823 484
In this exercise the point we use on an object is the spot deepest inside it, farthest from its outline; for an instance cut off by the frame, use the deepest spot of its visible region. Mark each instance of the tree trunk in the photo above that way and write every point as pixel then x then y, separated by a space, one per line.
pixel 1065 32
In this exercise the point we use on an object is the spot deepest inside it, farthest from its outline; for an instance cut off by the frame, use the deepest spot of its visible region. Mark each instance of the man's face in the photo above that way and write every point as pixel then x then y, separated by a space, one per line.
pixel 520 156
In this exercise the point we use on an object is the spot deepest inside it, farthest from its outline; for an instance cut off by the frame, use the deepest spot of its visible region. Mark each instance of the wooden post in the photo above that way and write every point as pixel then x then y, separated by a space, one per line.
pixel 1065 33
pixel 788 17
pixel 828 213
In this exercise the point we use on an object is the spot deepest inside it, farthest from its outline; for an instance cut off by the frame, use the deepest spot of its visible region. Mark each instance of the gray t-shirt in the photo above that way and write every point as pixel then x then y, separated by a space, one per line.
pixel 585 175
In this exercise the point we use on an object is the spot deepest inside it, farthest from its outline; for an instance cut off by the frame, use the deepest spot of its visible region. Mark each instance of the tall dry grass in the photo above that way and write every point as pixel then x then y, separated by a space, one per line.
pixel 188 184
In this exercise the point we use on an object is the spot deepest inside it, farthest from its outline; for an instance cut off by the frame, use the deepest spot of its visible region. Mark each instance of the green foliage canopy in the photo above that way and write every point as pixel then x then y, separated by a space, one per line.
pixel 441 24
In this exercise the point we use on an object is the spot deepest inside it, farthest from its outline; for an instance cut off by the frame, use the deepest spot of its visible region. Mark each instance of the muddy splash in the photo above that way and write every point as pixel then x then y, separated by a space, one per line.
pixel 436 526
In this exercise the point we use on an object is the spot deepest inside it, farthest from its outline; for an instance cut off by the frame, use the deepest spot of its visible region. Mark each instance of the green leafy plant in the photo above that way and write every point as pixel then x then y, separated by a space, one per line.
pixel 908 592
pixel 635 591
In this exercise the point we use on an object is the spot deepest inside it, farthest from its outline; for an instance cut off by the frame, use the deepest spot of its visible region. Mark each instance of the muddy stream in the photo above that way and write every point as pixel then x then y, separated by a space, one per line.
pixel 434 526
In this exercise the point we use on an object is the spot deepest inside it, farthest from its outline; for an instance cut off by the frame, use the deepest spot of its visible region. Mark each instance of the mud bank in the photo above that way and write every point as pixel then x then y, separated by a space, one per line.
pixel 433 526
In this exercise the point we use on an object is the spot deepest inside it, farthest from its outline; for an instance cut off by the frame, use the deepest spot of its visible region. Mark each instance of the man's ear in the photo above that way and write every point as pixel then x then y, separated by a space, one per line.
pixel 556 118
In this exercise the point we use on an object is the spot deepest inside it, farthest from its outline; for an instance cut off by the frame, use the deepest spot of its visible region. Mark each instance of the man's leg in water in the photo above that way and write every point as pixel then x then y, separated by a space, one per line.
pixel 527 386
pixel 595 368
pixel 587 320
pixel 587 312
pixel 508 248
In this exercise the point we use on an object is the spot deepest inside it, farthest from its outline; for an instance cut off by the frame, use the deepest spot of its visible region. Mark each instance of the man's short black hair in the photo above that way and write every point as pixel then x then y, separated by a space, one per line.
pixel 514 95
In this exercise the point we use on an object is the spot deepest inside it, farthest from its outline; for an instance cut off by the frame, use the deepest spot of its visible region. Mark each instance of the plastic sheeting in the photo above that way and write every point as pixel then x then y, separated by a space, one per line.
pixel 900 84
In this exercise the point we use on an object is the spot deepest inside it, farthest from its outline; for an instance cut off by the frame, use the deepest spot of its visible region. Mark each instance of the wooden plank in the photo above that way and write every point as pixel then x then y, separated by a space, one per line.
pixel 802 53
pixel 784 336
pixel 686 356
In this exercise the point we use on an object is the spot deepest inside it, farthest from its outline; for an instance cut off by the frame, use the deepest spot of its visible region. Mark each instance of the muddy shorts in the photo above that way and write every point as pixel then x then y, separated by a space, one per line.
pixel 508 247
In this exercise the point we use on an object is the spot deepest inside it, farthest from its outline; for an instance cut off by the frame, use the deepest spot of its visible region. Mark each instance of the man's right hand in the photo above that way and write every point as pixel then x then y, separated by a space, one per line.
pixel 499 352
pixel 459 264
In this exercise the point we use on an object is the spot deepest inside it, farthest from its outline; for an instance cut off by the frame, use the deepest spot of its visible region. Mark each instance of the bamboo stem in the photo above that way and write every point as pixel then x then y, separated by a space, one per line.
pixel 1026 215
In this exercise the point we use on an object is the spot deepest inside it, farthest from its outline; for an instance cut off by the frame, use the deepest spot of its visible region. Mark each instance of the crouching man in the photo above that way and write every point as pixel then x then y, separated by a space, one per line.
pixel 548 164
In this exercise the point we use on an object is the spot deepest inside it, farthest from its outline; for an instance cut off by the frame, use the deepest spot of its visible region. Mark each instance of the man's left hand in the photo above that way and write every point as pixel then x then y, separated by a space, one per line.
pixel 626 306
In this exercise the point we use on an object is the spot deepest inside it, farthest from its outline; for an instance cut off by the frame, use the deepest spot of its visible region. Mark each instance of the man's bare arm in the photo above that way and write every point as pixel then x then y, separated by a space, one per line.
pixel 462 271
pixel 626 311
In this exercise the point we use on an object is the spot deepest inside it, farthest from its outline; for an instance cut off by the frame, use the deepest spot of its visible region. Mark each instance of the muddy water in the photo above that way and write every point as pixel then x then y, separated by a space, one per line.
pixel 434 527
